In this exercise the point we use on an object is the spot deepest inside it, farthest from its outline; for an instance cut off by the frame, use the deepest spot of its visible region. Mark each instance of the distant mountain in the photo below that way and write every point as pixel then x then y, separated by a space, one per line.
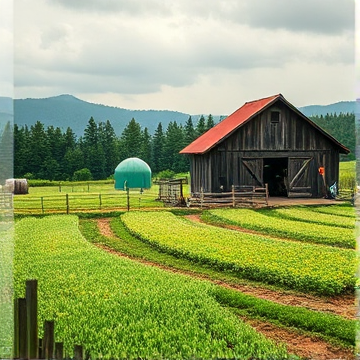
pixel 339 107
pixel 68 111
pixel 6 105
pixel 6 112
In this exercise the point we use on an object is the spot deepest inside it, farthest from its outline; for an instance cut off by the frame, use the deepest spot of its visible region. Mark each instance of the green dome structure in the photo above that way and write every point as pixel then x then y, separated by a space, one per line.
pixel 132 173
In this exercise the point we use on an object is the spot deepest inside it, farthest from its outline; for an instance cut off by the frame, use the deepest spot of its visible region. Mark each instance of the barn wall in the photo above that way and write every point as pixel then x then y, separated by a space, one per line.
pixel 291 137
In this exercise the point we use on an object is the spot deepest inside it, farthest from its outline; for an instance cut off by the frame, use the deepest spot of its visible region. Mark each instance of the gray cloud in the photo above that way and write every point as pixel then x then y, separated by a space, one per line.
pixel 143 46
pixel 109 6
pixel 319 16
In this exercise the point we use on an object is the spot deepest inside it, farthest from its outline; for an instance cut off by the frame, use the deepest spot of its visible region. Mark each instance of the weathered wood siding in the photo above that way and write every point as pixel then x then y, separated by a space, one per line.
pixel 262 137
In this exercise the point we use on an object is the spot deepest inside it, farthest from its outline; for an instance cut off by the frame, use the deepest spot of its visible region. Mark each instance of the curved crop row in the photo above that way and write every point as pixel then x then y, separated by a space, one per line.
pixel 117 308
pixel 291 229
pixel 306 267
pixel 339 210
pixel 306 215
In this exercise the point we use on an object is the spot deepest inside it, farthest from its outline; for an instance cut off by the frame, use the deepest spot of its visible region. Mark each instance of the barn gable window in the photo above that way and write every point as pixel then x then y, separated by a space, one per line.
pixel 275 117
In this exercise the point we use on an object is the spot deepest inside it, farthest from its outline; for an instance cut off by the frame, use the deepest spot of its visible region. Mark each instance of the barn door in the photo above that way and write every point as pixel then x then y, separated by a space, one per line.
pixel 255 168
pixel 299 180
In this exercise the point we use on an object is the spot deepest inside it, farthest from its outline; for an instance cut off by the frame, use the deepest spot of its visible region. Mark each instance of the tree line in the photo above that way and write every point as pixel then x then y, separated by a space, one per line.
pixel 342 127
pixel 54 154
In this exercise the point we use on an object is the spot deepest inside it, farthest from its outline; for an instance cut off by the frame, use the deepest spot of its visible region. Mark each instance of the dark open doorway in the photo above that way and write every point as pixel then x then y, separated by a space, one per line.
pixel 275 174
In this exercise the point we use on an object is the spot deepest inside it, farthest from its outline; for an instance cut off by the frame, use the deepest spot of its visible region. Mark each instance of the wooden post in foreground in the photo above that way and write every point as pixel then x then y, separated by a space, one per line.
pixel 31 314
pixel 48 341
pixel 59 351
pixel 22 330
pixel 78 352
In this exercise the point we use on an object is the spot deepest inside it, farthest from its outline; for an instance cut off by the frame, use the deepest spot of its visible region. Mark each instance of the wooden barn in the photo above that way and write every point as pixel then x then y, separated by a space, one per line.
pixel 266 141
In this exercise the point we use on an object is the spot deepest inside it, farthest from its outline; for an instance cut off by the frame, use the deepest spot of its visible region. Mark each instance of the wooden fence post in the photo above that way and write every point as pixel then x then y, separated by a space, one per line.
pixel 128 198
pixel 16 330
pixel 31 314
pixel 201 197
pixel 59 351
pixel 67 203
pixel 41 349
pixel 233 195
pixel 78 352
pixel 267 194
pixel 20 329
pixel 48 341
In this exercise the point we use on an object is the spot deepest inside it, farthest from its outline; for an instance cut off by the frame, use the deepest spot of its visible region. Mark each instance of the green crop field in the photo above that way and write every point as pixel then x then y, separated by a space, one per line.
pixel 118 308
pixel 322 269
pixel 304 215
pixel 277 223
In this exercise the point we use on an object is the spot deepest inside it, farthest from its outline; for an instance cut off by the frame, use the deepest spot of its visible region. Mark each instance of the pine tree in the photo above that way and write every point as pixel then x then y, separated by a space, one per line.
pixel 131 139
pixel 6 153
pixel 94 151
pixel 110 147
pixel 209 122
pixel 73 160
pixel 21 150
pixel 189 132
pixel 38 146
pixel 145 151
pixel 200 126
pixel 157 150
pixel 173 144
pixel 56 144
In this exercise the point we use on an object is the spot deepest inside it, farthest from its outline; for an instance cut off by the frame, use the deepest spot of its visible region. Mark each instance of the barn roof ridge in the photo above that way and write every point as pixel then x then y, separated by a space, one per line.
pixel 238 118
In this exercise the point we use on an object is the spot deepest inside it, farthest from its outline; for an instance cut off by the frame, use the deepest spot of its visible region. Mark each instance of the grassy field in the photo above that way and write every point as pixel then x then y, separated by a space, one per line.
pixel 347 176
pixel 317 323
pixel 117 308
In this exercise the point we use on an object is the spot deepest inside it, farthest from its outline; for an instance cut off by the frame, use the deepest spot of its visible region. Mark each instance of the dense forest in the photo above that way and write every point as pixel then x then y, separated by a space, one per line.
pixel 49 153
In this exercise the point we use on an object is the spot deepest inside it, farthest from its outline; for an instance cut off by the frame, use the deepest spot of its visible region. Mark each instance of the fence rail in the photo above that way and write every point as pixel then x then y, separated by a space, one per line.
pixel 239 196
pixel 66 203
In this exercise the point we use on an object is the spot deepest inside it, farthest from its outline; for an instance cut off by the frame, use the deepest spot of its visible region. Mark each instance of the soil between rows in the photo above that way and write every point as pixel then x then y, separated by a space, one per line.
pixel 301 345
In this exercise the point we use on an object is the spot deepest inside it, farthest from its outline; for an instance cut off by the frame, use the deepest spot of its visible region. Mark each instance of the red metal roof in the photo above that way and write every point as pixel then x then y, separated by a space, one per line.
pixel 223 129
pixel 213 136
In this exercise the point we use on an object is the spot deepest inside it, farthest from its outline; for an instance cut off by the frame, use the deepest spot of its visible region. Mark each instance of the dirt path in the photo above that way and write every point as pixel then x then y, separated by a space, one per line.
pixel 301 345
pixel 305 346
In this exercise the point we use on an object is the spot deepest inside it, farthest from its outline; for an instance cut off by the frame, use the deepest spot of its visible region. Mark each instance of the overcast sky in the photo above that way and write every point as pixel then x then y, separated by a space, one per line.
pixel 194 56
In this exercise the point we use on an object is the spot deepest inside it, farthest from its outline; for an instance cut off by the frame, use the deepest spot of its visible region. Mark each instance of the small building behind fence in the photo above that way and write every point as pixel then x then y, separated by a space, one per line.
pixel 171 191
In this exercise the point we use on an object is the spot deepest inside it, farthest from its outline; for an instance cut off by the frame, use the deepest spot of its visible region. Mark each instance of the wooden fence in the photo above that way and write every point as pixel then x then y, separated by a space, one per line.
pixel 238 197
pixel 27 345
pixel 67 203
